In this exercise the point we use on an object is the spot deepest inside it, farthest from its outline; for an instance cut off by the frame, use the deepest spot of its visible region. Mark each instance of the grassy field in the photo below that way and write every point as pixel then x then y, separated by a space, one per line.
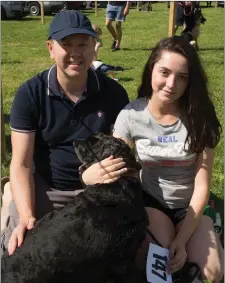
pixel 24 54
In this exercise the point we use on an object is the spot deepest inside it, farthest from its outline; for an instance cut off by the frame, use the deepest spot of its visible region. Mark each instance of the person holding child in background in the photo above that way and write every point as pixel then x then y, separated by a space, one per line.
pixel 99 65
pixel 174 128
pixel 98 43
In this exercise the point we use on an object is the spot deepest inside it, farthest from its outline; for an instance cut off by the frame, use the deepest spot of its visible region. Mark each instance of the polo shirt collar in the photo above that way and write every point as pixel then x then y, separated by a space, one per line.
pixel 53 87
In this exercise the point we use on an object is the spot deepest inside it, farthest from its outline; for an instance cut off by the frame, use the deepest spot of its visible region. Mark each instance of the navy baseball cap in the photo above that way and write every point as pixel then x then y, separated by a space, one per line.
pixel 70 22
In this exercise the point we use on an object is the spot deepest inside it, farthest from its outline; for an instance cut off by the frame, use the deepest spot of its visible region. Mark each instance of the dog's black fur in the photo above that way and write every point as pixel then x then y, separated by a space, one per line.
pixel 95 238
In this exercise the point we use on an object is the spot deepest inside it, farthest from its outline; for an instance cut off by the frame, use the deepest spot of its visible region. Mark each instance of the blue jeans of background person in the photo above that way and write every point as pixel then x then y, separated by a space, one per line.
pixel 114 12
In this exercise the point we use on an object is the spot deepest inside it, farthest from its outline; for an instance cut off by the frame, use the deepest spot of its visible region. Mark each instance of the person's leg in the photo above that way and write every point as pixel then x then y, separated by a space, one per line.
pixel 161 226
pixel 118 33
pixel 111 28
pixel 119 19
pixel 205 249
pixel 110 16
pixel 163 231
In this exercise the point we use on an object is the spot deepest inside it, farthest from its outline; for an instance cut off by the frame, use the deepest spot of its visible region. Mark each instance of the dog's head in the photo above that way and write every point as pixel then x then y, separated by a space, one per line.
pixel 199 18
pixel 100 146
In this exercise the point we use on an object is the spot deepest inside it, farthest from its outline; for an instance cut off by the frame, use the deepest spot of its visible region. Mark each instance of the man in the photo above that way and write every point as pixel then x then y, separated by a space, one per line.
pixel 116 11
pixel 67 102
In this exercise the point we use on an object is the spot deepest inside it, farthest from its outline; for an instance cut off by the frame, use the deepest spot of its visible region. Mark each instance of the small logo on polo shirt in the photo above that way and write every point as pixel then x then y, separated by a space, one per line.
pixel 99 114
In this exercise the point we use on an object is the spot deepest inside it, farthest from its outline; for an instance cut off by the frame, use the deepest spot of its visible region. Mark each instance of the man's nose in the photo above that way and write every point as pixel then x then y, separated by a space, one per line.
pixel 75 50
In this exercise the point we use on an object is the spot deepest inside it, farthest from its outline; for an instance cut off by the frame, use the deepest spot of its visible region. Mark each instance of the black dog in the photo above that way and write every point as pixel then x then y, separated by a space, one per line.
pixel 95 238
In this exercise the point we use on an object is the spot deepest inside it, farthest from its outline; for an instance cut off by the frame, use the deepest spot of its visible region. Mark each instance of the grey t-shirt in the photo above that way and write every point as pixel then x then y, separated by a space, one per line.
pixel 168 171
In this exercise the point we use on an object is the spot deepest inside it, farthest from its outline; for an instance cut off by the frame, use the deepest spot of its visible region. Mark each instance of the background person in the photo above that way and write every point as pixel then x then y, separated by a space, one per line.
pixel 116 11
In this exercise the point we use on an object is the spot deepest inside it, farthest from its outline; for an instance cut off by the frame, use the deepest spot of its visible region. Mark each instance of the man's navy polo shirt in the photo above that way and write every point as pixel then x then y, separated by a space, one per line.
pixel 39 106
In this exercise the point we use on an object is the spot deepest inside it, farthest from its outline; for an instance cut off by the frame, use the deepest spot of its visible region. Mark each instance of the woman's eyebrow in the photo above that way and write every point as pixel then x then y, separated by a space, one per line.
pixel 166 69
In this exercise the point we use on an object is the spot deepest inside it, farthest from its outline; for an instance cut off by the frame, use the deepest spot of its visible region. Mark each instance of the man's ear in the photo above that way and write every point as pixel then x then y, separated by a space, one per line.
pixel 50 48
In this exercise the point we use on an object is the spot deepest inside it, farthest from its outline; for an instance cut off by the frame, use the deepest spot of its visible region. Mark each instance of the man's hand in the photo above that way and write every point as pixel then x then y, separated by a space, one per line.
pixel 107 171
pixel 18 233
pixel 177 255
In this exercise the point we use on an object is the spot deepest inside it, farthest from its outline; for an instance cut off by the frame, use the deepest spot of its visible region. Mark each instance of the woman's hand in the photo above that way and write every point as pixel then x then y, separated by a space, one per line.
pixel 107 171
pixel 177 255
pixel 18 233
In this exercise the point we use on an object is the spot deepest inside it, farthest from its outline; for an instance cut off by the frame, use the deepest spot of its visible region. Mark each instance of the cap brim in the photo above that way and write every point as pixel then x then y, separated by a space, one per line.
pixel 66 32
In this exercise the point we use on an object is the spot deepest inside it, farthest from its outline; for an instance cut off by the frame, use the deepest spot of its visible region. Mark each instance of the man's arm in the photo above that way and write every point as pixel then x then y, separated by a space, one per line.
pixel 22 184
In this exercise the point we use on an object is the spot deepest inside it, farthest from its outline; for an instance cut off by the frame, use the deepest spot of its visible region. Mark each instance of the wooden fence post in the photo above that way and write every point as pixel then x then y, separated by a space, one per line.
pixel 172 15
pixel 96 8
pixel 42 12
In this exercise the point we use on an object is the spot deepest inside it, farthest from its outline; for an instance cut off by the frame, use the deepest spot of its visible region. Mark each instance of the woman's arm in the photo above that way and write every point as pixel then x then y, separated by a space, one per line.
pixel 177 251
pixel 200 196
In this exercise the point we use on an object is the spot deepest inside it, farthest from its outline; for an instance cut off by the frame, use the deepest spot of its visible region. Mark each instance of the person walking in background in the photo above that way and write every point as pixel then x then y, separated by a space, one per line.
pixel 116 11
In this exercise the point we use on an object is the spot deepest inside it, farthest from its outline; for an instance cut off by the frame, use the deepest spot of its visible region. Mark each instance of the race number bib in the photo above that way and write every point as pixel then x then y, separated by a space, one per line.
pixel 156 265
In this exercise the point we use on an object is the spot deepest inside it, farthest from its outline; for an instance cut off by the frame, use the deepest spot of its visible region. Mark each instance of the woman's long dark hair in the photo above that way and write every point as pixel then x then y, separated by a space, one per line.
pixel 198 112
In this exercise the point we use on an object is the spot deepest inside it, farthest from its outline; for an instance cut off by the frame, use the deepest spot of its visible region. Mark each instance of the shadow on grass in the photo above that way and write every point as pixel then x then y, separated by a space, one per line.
pixel 125 79
pixel 25 19
pixel 137 49
pixel 11 62
pixel 212 48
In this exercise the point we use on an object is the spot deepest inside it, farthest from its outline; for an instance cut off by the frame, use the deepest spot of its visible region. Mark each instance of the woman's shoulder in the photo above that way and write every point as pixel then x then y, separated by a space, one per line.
pixel 138 104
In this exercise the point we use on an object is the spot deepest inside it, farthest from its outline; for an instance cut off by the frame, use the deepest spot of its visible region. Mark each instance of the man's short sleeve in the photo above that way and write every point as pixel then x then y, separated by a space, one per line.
pixel 122 127
pixel 23 115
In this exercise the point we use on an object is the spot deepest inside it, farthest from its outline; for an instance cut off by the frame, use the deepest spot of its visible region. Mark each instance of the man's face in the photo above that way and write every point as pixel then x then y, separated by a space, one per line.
pixel 73 54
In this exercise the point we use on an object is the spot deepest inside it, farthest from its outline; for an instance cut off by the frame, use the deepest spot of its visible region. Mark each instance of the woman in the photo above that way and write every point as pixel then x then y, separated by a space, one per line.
pixel 174 129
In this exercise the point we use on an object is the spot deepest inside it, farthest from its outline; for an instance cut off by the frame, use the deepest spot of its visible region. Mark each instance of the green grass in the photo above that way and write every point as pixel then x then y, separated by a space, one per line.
pixel 24 54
